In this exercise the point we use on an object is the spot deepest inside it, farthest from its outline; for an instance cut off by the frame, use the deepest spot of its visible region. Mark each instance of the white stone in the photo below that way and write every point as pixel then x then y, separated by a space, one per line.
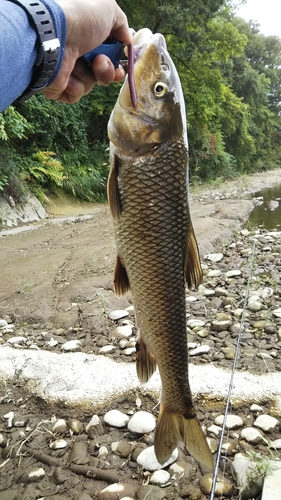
pixel 147 459
pixel 142 422
pixel 60 425
pixel 122 332
pixel 276 444
pixel 214 429
pixel 107 349
pixel 277 312
pixel 214 273
pixel 71 345
pixel 233 273
pixel 118 314
pixel 159 477
pixel 238 312
pixel 214 257
pixel 232 421
pixel 202 349
pixel 51 343
pixel 129 351
pixel 37 474
pixel 272 483
pixel 17 340
pixel 242 468
pixel 265 293
pixel 116 418
pixel 255 407
pixel 3 323
pixel 192 323
pixel 252 435
pixel 266 423
pixel 254 305
pixel 103 452
pixel 191 298
pixel 207 292
pixel 130 309
pixel 58 444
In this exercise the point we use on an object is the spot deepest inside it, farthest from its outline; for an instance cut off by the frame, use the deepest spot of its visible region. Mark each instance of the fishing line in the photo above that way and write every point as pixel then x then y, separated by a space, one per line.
pixel 234 367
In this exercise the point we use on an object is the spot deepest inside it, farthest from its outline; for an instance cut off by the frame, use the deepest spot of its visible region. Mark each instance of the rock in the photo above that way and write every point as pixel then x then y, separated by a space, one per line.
pixel 9 495
pixel 150 493
pixel 72 346
pixel 214 273
pixel 179 469
pixel 76 426
pixel 213 445
pixel 142 422
pixel 230 447
pixel 128 351
pixel 220 292
pixel 116 418
pixel 229 352
pixel 118 314
pixel 248 483
pixel 202 349
pixel 272 485
pixel 266 423
pixel 192 323
pixel 121 448
pixel 17 340
pixel 207 292
pixel 232 421
pixel 223 486
pixel 276 444
pixel 254 305
pixel 159 477
pixel 252 435
pixel 58 444
pixel 107 349
pixel 203 333
pixel 277 313
pixel 122 332
pixel 3 323
pixel 255 407
pixel 220 326
pixel 234 273
pixel 147 459
pixel 103 452
pixel 117 490
pixel 59 426
pixel 214 257
pixel 33 475
pixel 94 427
pixel 214 429
pixel 191 298
pixel 79 453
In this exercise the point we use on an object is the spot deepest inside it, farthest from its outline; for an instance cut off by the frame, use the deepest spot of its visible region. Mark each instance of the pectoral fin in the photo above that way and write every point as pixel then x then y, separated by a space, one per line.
pixel 121 280
pixel 192 266
pixel 113 193
pixel 145 361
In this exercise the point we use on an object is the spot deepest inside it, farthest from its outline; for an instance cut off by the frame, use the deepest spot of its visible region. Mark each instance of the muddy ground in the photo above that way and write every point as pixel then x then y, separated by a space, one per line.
pixel 59 275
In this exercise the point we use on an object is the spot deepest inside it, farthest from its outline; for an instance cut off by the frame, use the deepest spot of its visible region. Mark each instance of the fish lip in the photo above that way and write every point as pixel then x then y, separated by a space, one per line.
pixel 143 38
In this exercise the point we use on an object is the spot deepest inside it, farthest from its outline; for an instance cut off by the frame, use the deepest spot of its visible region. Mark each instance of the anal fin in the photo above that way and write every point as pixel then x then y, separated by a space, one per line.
pixel 145 361
pixel 192 266
pixel 121 280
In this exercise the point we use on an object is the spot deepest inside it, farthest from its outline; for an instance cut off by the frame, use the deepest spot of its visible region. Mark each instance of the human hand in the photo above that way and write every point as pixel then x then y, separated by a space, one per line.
pixel 89 23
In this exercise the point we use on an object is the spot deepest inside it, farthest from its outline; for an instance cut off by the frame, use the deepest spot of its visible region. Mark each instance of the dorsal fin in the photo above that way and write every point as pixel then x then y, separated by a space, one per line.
pixel 192 265
pixel 113 193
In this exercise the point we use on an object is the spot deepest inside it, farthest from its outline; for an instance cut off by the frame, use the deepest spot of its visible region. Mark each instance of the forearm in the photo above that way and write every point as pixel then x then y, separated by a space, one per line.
pixel 18 48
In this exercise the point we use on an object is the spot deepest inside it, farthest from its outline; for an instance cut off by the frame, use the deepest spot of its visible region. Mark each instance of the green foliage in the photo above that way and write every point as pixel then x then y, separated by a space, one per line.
pixel 231 79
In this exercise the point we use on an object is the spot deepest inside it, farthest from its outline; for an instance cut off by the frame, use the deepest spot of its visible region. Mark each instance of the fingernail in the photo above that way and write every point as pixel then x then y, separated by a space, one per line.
pixel 103 67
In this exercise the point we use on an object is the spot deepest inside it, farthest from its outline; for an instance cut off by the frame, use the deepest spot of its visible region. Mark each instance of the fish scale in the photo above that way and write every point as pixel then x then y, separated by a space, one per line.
pixel 157 253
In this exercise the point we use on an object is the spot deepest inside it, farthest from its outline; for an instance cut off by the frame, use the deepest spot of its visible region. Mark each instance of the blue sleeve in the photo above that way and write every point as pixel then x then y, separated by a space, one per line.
pixel 17 48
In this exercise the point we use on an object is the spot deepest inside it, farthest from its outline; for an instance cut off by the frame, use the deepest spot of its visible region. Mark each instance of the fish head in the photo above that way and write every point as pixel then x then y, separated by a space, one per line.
pixel 160 112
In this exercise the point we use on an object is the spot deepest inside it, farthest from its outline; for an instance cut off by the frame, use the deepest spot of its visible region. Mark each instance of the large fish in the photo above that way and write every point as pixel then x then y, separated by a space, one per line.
pixel 157 253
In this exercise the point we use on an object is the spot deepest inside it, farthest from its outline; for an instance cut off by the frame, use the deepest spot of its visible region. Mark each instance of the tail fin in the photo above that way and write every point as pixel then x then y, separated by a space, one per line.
pixel 171 427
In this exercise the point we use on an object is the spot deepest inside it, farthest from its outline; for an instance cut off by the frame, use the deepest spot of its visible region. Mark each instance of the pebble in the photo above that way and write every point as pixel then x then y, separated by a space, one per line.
pixel 116 418
pixel 142 422
pixel 17 340
pixel 117 490
pixel 213 445
pixel 76 426
pixel 220 326
pixel 159 477
pixel 121 448
pixel 192 323
pixel 252 435
pixel 118 314
pixel 60 426
pixel 276 444
pixel 242 468
pixel 107 349
pixel 58 444
pixel 214 429
pixel 255 407
pixel 277 312
pixel 266 423
pixel 147 459
pixel 202 349
pixel 232 421
pixel 128 351
pixel 3 323
pixel 214 273
pixel 72 346
pixel 214 257
pixel 234 273
pixel 223 486
pixel 94 427
pixel 254 305
pixel 122 332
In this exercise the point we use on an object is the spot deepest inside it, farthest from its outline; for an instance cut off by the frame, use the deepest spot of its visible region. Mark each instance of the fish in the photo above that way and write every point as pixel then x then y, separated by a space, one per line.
pixel 157 251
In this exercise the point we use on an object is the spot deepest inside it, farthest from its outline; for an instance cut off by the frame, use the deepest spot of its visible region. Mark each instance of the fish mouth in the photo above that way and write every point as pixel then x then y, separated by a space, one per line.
pixel 143 38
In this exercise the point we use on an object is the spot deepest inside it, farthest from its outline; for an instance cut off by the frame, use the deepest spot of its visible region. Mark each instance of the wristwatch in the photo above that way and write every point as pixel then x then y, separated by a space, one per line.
pixel 47 45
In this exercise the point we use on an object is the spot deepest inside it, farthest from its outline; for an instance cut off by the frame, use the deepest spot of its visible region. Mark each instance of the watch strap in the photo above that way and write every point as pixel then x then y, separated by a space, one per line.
pixel 47 46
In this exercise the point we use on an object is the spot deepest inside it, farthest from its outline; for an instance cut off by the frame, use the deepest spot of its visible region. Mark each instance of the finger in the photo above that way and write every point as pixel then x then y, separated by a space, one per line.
pixel 103 70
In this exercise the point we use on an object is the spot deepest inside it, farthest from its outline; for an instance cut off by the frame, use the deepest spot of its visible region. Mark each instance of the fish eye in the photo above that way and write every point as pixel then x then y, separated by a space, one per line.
pixel 160 89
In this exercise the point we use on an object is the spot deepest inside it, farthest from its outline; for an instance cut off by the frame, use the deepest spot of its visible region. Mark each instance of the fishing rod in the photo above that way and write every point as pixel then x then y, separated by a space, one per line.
pixel 232 375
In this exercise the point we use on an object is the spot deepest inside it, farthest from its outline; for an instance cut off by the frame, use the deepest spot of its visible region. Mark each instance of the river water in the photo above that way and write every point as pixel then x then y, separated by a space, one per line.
pixel 267 212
